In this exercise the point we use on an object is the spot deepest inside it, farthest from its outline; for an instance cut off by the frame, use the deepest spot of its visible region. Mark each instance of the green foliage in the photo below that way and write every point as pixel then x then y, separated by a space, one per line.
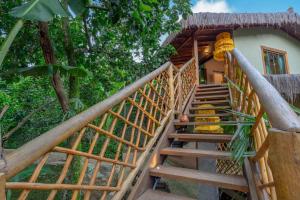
pixel 295 109
pixel 106 35
pixel 39 10
pixel 241 143
pixel 44 70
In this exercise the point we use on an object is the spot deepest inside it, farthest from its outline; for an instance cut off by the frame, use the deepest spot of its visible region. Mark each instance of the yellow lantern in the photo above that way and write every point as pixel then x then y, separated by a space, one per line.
pixel 223 43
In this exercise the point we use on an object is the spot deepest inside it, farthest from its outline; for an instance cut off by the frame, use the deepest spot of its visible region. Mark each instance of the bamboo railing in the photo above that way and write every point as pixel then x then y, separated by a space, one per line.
pixel 254 95
pixel 103 148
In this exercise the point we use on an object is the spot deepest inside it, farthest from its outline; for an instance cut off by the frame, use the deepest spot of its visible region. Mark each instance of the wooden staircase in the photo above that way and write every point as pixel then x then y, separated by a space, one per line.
pixel 219 97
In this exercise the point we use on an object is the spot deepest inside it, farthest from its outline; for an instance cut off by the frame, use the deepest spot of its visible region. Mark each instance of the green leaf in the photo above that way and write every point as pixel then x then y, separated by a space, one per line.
pixel 9 40
pixel 39 10
pixel 145 8
pixel 78 7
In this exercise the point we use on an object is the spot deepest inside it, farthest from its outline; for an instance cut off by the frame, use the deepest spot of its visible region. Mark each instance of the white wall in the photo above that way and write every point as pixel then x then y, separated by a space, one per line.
pixel 249 42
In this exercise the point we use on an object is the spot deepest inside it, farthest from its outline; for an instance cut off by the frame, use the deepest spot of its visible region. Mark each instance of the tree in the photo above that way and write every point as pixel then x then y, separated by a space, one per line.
pixel 97 47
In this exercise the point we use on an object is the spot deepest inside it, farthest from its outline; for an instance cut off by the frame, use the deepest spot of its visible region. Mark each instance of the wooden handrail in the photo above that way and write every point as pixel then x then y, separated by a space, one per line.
pixel 33 150
pixel 279 112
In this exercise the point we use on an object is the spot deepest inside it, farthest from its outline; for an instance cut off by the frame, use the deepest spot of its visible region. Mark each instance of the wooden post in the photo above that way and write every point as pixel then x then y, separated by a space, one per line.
pixel 180 100
pixel 171 86
pixel 284 161
pixel 2 186
pixel 195 53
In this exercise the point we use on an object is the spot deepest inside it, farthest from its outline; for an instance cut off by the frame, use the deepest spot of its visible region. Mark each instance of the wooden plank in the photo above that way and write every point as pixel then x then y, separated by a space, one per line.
pixel 212 108
pixel 222 138
pixel 210 102
pixel 178 123
pixel 196 56
pixel 210 115
pixel 220 180
pixel 284 159
pixel 195 153
pixel 159 195
pixel 250 179
pixel 2 186
pixel 212 92
pixel 211 89
pixel 211 85
pixel 222 96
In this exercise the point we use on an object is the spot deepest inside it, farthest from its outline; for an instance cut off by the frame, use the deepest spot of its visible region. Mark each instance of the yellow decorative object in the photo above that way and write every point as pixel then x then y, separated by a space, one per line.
pixel 223 43
pixel 207 128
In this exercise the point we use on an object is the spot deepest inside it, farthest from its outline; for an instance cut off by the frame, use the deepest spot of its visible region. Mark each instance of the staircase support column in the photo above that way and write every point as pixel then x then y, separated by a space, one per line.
pixel 284 161
pixel 196 55
pixel 171 86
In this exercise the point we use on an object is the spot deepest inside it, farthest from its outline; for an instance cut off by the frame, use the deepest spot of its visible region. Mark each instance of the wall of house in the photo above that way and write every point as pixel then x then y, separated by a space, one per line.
pixel 249 42
pixel 213 71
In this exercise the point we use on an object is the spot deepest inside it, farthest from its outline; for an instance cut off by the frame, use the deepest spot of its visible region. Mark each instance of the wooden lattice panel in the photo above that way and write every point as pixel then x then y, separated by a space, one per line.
pixel 95 161
pixel 98 153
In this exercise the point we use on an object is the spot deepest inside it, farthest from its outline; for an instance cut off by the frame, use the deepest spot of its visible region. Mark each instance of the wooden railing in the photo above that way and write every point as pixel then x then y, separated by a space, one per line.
pixel 101 149
pixel 254 95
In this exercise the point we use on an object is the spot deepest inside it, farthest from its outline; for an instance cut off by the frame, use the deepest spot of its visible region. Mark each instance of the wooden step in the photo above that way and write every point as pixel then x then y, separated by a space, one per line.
pixel 211 89
pixel 211 85
pixel 210 115
pixel 178 123
pixel 219 180
pixel 196 153
pixel 213 102
pixel 224 96
pixel 159 195
pixel 193 108
pixel 213 138
pixel 212 92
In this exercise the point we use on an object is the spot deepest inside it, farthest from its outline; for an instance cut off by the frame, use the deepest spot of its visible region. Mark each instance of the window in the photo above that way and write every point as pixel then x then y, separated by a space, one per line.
pixel 275 61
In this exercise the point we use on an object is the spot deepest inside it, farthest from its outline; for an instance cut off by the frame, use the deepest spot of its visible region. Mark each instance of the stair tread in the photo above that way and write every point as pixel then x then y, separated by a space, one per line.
pixel 178 123
pixel 212 96
pixel 210 115
pixel 210 85
pixel 211 108
pixel 211 102
pixel 195 153
pixel 201 137
pixel 233 182
pixel 211 89
pixel 211 92
pixel 155 195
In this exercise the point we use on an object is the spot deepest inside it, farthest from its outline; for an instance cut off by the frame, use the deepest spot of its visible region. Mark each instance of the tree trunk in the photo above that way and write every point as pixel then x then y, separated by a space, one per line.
pixel 74 91
pixel 49 57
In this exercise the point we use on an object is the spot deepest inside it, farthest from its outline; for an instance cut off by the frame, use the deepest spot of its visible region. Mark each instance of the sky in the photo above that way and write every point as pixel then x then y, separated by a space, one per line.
pixel 244 5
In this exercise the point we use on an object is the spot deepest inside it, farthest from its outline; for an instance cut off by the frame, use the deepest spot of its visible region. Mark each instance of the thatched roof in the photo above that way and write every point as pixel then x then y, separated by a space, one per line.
pixel 287 21
pixel 288 85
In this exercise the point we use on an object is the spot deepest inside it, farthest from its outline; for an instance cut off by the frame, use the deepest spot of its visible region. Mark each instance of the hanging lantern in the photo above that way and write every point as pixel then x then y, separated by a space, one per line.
pixel 223 43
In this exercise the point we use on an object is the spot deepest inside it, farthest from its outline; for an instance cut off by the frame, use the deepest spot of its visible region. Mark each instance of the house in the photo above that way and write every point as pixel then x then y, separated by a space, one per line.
pixel 270 41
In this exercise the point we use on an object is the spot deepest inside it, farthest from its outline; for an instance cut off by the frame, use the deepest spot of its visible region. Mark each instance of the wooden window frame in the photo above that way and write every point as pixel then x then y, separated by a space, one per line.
pixel 278 51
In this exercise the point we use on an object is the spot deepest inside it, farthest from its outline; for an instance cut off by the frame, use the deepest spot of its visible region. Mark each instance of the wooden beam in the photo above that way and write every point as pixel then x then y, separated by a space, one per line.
pixel 284 161
pixel 184 43
pixel 250 179
pixel 196 55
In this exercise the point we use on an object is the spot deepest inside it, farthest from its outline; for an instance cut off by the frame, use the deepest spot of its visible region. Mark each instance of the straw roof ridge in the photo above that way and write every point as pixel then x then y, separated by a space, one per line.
pixel 286 21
